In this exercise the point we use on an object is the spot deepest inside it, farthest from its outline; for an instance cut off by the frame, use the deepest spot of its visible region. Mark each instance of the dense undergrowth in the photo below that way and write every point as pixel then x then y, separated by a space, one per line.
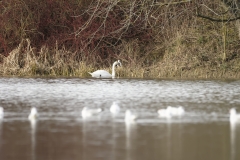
pixel 150 37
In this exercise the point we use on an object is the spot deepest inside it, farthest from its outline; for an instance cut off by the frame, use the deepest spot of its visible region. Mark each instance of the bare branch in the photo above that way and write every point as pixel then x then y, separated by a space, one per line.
pixel 216 20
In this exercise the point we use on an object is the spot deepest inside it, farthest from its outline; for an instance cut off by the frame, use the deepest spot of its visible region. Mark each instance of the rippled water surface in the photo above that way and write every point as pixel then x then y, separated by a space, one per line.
pixel 60 132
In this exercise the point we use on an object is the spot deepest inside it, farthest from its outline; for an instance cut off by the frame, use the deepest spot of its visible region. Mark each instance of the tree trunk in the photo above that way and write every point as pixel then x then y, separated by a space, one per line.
pixel 238 27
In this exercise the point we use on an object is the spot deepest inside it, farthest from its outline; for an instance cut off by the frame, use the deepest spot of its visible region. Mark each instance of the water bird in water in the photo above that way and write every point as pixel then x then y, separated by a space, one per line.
pixel 171 111
pixel 105 74
pixel 234 117
pixel 114 109
pixel 87 112
pixel 129 116
pixel 1 112
pixel 33 114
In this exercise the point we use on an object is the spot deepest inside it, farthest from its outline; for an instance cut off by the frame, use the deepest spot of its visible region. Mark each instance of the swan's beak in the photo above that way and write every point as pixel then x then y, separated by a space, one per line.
pixel 120 64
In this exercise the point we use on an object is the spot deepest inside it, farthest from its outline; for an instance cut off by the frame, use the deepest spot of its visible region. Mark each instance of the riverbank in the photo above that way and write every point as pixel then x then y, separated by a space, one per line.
pixel 25 61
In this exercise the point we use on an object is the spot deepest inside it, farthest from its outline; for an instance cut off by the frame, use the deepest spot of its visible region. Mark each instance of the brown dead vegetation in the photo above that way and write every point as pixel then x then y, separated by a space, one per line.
pixel 152 38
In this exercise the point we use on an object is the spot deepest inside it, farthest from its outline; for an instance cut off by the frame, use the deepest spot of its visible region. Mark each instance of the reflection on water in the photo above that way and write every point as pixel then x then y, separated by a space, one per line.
pixel 131 129
pixel 114 137
pixel 234 139
pixel 33 123
pixel 1 139
pixel 203 132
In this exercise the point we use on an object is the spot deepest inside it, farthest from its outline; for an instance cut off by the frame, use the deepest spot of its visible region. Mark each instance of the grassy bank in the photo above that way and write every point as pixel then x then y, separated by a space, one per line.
pixel 152 39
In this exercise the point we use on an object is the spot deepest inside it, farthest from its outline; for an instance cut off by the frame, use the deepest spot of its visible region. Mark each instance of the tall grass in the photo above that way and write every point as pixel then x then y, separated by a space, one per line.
pixel 24 60
pixel 153 39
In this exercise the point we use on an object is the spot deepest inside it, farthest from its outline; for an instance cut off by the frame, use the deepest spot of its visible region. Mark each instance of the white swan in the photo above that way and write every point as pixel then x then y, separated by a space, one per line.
pixel 105 74
pixel 129 116
pixel 1 112
pixel 234 117
pixel 87 112
pixel 33 114
pixel 114 109
pixel 171 111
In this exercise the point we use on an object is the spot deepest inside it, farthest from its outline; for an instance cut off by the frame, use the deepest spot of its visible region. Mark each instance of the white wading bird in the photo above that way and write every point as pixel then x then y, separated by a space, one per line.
pixel 130 117
pixel 234 117
pixel 114 109
pixel 33 114
pixel 1 112
pixel 105 74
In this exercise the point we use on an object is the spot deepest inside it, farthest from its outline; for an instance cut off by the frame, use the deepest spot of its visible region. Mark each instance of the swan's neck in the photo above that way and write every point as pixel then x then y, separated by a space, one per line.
pixel 113 69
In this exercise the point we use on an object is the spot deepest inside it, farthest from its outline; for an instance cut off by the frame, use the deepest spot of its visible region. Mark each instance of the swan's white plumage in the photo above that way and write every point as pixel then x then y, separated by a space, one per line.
pixel 171 111
pixel 234 117
pixel 33 114
pixel 130 117
pixel 101 74
pixel 105 74
pixel 87 112
pixel 164 113
pixel 115 109
pixel 1 112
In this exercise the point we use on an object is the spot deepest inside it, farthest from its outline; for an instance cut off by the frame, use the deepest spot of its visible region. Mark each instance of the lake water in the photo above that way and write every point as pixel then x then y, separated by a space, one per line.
pixel 61 133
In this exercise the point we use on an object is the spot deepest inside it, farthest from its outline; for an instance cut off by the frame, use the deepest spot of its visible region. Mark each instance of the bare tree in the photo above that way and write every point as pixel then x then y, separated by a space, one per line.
pixel 232 9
